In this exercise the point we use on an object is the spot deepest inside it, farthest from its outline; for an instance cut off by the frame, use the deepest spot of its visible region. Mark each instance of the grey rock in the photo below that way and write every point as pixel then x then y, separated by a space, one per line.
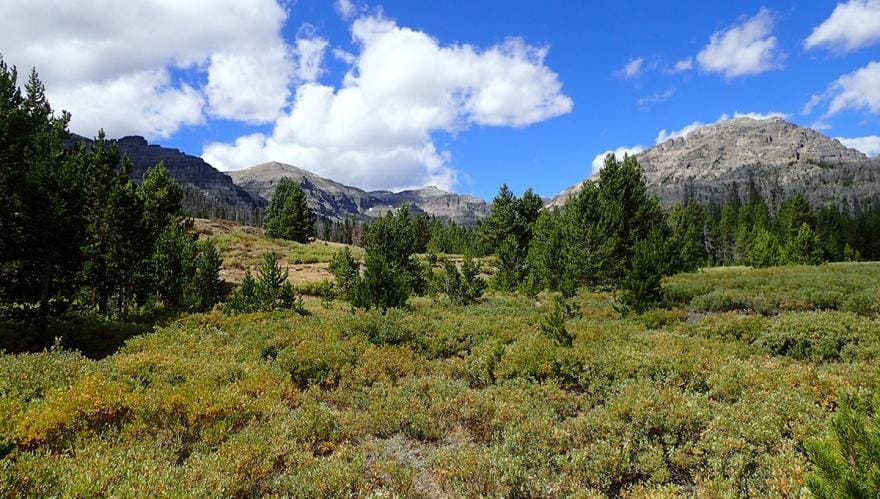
pixel 335 201
pixel 772 157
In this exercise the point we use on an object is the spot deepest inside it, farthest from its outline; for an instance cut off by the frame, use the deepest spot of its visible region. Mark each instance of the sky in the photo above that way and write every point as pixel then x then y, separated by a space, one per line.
pixel 462 95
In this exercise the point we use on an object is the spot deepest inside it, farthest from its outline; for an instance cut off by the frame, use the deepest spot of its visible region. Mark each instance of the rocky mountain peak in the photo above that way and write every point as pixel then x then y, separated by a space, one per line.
pixel 772 157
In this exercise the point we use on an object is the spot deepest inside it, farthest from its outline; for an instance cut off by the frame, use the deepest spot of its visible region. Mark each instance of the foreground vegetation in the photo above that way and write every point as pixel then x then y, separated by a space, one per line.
pixel 444 399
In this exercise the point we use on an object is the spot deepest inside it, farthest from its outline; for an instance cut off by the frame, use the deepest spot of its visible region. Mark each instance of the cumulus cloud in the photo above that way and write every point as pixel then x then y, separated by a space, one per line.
pixel 89 54
pixel 151 105
pixel 310 58
pixel 599 160
pixel 851 26
pixel 743 49
pixel 665 135
pixel 857 90
pixel 375 130
pixel 870 145
pixel 631 69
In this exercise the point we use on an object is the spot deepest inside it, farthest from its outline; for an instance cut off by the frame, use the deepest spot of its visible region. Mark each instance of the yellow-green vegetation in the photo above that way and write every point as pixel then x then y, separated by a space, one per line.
pixel 450 400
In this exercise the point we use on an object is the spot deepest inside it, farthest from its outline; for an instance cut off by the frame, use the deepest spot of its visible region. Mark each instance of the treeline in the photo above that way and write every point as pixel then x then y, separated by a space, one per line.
pixel 76 234
pixel 431 235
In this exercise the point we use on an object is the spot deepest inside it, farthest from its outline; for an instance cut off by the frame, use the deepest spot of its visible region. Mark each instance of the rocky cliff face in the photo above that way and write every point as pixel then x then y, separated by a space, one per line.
pixel 208 193
pixel 335 201
pixel 772 157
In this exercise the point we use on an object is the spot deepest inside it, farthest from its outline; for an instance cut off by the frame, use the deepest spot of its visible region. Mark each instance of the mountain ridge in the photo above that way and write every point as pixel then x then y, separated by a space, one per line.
pixel 335 201
pixel 772 157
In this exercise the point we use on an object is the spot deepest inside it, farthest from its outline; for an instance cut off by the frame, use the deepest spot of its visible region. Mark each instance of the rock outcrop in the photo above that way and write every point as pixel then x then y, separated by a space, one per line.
pixel 772 157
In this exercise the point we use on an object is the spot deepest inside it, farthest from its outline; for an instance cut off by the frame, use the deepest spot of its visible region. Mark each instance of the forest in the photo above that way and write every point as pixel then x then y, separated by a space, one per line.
pixel 608 348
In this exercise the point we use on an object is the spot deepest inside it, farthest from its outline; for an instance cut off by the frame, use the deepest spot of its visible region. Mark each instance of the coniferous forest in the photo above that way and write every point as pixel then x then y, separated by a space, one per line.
pixel 606 348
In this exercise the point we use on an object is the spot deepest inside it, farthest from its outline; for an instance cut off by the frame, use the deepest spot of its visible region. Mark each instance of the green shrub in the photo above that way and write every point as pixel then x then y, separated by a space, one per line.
pixel 817 336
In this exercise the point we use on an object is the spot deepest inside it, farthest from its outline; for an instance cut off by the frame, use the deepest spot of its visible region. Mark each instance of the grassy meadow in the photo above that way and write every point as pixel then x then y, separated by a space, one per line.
pixel 713 397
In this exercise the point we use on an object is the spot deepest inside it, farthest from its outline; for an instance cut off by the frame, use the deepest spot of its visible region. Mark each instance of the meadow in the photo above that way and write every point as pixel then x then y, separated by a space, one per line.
pixel 714 396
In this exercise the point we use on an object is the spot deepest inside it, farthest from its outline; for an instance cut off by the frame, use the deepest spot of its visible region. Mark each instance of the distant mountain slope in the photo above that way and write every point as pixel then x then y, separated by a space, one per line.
pixel 335 201
pixel 772 157
pixel 207 191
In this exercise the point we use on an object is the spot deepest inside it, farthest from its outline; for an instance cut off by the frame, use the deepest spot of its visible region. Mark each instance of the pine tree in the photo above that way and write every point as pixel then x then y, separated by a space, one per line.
pixel 764 249
pixel 804 248
pixel 688 240
pixel 205 285
pixel 391 272
pixel 845 462
pixel 509 266
pixel 270 291
pixel 346 271
pixel 640 289
pixel 289 216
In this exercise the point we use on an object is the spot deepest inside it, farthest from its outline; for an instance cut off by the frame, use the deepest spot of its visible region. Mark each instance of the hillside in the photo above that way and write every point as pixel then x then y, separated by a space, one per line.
pixel 773 157
pixel 448 401
pixel 207 191
pixel 336 201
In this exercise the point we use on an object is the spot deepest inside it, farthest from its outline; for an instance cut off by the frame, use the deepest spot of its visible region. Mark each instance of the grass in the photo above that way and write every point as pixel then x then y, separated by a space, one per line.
pixel 703 400
pixel 242 248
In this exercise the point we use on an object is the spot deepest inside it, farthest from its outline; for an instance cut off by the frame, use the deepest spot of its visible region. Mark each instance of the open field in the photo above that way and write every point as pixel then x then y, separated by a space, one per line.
pixel 242 248
pixel 715 398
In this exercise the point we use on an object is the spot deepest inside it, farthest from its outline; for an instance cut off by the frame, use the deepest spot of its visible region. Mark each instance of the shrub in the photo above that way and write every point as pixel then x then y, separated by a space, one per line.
pixel 818 336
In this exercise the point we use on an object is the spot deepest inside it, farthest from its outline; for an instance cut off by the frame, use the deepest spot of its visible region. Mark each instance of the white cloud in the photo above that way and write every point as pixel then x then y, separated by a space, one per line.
pixel 84 50
pixel 811 104
pixel 742 49
pixel 375 130
pixel 310 58
pixel 820 126
pixel 857 90
pixel 153 107
pixel 870 145
pixel 665 135
pixel 754 116
pixel 599 160
pixel 655 98
pixel 631 69
pixel 683 65
pixel 852 25
pixel 344 56
pixel 346 9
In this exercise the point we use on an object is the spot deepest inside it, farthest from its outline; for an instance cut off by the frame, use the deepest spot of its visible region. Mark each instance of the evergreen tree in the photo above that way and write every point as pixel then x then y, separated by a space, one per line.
pixel 764 250
pixel 553 323
pixel 546 260
pixel 391 272
pixel 845 462
pixel 270 291
pixel 463 286
pixel 509 266
pixel 804 248
pixel 205 285
pixel 640 289
pixel 627 214
pixel 346 271
pixel 687 237
pixel 288 216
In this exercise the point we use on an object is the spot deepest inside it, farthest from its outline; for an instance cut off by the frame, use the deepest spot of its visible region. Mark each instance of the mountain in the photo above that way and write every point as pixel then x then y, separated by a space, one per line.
pixel 208 193
pixel 772 157
pixel 335 201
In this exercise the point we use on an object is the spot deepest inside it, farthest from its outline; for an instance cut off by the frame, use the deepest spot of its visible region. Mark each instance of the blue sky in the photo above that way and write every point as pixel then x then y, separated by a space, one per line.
pixel 525 93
